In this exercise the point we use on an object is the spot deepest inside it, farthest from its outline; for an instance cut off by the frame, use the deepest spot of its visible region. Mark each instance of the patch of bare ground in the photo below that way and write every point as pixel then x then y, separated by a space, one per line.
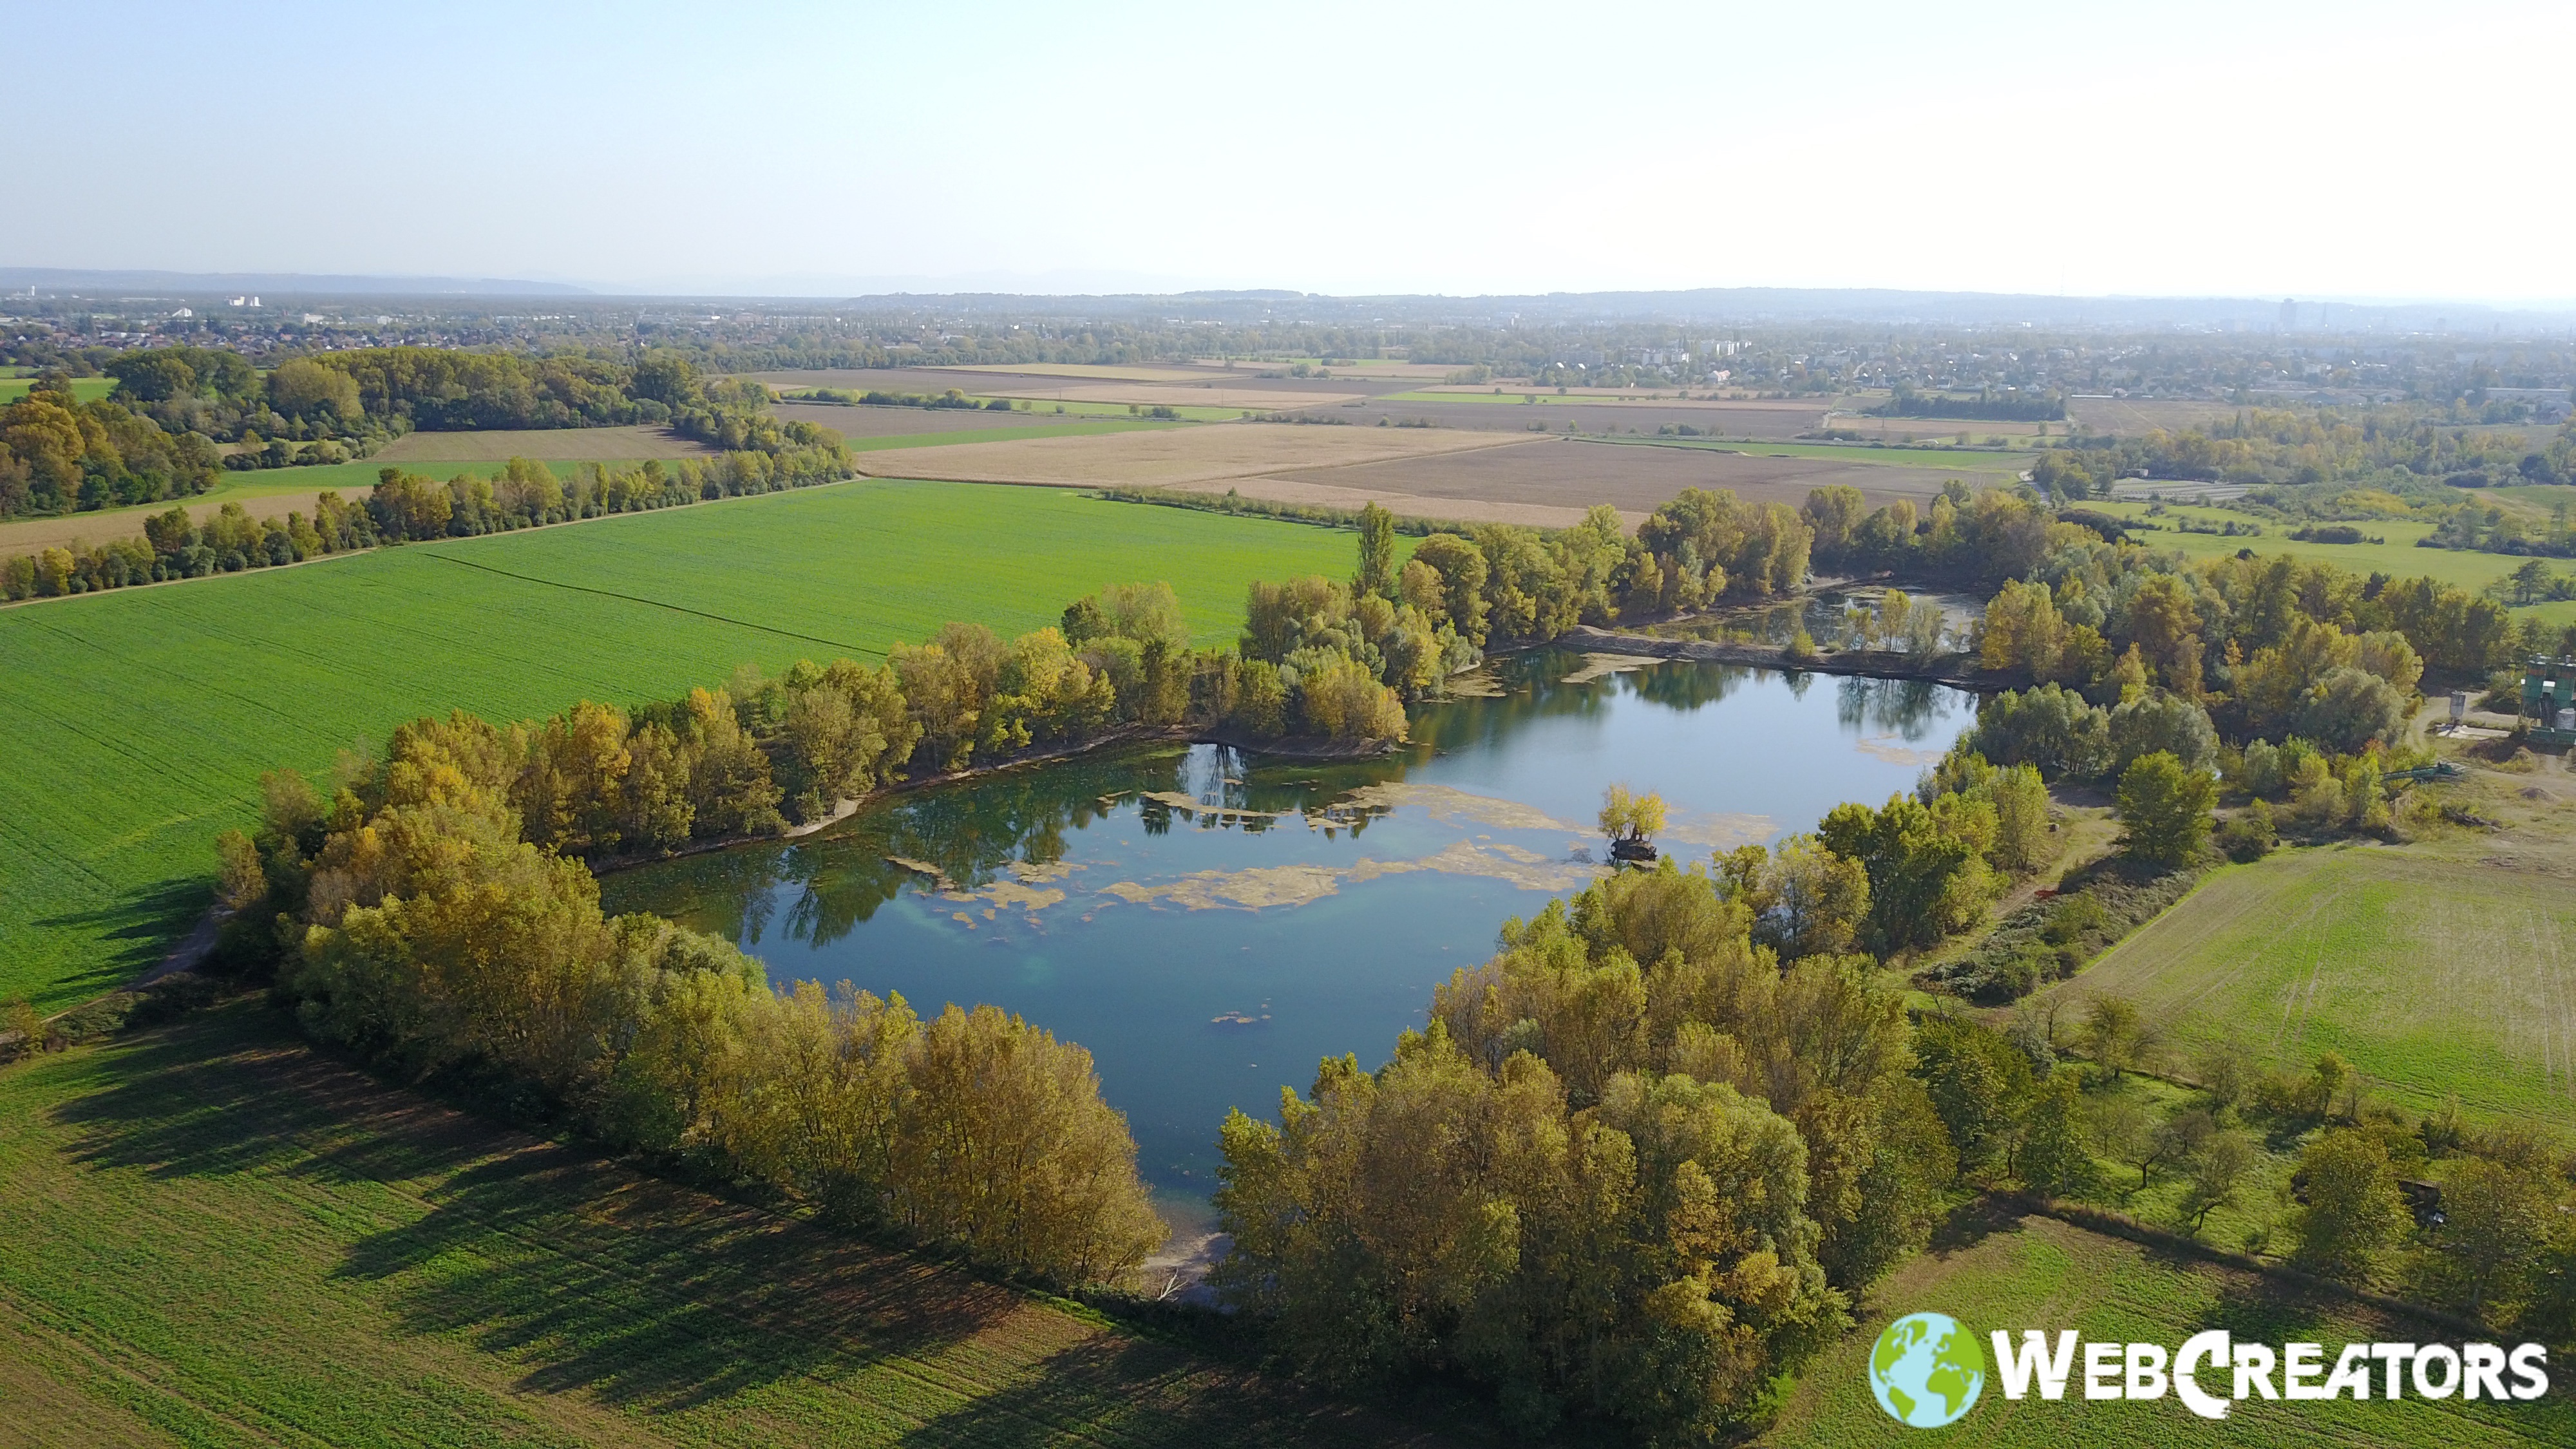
pixel 1172 458
pixel 31 534
pixel 546 445
pixel 886 422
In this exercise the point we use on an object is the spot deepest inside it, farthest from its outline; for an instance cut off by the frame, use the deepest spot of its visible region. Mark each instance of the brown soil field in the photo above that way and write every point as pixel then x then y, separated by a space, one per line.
pixel 548 445
pixel 2140 415
pixel 1253 396
pixel 1090 371
pixel 1298 489
pixel 868 422
pixel 1894 429
pixel 1575 475
pixel 31 534
pixel 1170 458
pixel 1775 421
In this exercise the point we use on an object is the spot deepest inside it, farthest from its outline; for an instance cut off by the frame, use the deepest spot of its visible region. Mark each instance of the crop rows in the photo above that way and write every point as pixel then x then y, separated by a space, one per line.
pixel 139 721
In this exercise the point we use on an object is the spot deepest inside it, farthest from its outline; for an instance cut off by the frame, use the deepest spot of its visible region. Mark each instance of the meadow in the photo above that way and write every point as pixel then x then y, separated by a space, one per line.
pixel 139 720
pixel 1992 1270
pixel 84 389
pixel 2398 557
pixel 217 1237
pixel 2434 975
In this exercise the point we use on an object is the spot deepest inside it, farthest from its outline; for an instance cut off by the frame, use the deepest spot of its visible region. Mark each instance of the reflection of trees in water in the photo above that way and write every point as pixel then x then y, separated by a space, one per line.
pixel 1687 686
pixel 1905 707
pixel 1533 690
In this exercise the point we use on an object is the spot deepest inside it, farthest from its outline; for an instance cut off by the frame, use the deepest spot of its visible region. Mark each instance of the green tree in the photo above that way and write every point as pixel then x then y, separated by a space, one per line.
pixel 2353 1215
pixel 2056 1155
pixel 2496 1222
pixel 1377 552
pixel 2217 1171
pixel 2166 809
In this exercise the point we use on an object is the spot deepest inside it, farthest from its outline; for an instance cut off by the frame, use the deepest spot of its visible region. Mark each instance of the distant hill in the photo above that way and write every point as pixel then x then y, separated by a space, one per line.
pixel 57 280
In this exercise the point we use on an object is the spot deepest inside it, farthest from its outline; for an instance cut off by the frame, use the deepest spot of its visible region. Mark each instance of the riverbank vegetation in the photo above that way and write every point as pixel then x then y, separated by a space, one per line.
pixel 430 915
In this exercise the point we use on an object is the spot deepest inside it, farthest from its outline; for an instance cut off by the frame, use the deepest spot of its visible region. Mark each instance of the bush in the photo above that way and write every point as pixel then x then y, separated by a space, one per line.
pixel 2248 835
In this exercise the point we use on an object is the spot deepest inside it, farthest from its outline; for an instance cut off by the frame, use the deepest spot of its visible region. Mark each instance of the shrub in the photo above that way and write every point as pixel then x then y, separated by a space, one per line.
pixel 2247 835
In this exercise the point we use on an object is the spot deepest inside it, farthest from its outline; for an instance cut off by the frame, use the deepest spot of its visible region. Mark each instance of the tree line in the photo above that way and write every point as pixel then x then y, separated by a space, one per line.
pixel 404 507
pixel 1905 401
pixel 157 436
pixel 424 923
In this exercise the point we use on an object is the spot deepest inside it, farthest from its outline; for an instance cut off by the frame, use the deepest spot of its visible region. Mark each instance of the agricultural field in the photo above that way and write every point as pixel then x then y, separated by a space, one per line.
pixel 1577 474
pixel 1173 457
pixel 1995 1271
pixel 220 1238
pixel 544 445
pixel 266 493
pixel 2434 973
pixel 2398 557
pixel 2138 416
pixel 84 389
pixel 862 426
pixel 139 720
pixel 1959 461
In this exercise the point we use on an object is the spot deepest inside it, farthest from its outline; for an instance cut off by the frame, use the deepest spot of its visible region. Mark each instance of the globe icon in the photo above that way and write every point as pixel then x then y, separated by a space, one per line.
pixel 1926 1370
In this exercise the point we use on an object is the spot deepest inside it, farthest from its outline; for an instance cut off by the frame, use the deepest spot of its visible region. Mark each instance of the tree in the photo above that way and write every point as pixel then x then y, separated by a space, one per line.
pixel 2352 1214
pixel 1626 815
pixel 2166 809
pixel 1377 552
pixel 2216 1172
pixel 2162 721
pixel 2495 1223
pixel 2056 1155
pixel 1816 900
pixel 2115 1035
pixel 2049 728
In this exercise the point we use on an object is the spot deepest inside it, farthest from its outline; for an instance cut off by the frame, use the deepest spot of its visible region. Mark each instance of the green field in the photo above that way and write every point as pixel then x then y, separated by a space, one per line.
pixel 84 389
pixel 2039 1273
pixel 2433 976
pixel 2397 558
pixel 217 1238
pixel 138 720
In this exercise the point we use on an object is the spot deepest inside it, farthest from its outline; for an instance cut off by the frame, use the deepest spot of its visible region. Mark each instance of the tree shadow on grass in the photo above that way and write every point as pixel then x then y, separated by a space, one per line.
pixel 138 930
pixel 588 1275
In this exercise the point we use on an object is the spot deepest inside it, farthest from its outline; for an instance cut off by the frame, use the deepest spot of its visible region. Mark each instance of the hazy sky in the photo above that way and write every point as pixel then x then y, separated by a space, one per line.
pixel 2347 149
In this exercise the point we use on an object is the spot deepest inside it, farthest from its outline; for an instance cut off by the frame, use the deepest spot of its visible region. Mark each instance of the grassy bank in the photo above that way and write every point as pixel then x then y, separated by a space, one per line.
pixel 139 720
pixel 219 1238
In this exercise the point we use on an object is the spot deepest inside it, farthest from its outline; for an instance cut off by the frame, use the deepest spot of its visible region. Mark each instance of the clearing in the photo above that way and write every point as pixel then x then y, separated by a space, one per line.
pixel 2398 558
pixel 219 1237
pixel 139 720
pixel 1992 1270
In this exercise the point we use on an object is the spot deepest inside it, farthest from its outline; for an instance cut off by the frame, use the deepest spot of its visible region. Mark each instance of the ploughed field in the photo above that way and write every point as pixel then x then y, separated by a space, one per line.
pixel 139 720
pixel 217 1237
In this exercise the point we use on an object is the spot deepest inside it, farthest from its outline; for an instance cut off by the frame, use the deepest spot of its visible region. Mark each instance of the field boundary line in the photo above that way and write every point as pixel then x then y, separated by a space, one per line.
pixel 658 604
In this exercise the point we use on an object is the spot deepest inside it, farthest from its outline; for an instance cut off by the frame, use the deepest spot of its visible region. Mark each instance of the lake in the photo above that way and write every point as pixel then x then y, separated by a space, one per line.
pixel 1211 923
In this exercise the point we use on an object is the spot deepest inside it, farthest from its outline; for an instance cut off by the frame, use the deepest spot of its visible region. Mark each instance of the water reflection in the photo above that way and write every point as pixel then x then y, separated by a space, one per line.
pixel 1210 923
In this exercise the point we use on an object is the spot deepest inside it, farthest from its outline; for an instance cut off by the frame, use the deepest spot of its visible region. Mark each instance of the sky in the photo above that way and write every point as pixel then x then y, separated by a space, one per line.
pixel 2355 149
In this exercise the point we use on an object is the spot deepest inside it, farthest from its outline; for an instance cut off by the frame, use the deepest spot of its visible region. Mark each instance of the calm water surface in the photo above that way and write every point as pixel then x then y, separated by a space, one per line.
pixel 1210 923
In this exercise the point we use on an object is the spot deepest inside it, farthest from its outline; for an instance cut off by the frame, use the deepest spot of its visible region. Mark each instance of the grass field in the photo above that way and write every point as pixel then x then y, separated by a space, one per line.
pixel 2433 975
pixel 2398 557
pixel 84 389
pixel 217 1238
pixel 2039 1273
pixel 138 720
